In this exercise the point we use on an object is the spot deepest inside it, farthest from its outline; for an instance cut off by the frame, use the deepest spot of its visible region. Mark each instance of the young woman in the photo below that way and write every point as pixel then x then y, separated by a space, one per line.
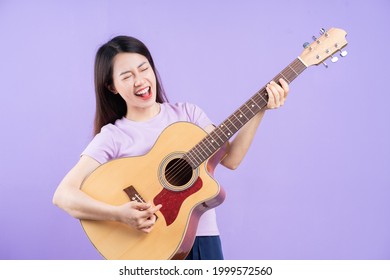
pixel 131 111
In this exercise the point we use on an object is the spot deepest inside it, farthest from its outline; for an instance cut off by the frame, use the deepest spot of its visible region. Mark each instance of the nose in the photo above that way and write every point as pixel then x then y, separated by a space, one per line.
pixel 139 81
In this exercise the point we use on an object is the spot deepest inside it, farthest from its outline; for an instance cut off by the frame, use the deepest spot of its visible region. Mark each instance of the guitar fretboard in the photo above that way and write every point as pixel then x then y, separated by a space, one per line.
pixel 221 134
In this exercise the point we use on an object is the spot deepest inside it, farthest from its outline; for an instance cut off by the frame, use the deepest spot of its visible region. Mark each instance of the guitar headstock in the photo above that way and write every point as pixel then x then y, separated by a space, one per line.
pixel 322 48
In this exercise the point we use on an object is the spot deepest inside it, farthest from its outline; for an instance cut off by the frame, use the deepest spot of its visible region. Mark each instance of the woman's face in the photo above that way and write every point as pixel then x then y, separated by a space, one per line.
pixel 135 81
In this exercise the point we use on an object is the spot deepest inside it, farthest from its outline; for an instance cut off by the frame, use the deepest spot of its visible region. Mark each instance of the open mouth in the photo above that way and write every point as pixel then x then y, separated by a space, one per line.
pixel 144 93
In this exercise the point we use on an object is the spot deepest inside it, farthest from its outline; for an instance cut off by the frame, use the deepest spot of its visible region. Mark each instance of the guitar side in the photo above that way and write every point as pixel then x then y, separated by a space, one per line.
pixel 174 232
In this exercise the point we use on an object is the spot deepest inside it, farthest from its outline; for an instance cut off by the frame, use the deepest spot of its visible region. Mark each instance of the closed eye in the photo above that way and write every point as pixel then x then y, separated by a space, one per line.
pixel 143 66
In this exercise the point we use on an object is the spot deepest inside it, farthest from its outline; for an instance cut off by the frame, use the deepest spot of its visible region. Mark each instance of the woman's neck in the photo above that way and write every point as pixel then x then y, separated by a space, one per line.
pixel 143 114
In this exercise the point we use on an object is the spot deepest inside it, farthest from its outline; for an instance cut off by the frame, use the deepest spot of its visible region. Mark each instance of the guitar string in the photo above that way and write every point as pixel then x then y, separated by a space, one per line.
pixel 203 152
pixel 244 110
pixel 176 169
pixel 179 168
pixel 280 75
pixel 182 165
pixel 234 122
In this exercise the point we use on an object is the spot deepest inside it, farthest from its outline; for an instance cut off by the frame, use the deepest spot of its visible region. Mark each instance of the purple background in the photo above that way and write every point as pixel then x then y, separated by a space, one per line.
pixel 315 184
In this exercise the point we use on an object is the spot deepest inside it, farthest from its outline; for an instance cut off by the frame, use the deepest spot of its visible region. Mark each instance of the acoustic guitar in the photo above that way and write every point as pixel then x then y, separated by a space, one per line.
pixel 178 173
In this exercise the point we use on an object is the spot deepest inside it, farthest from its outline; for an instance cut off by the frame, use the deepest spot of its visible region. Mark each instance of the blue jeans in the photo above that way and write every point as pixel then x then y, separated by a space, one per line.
pixel 206 248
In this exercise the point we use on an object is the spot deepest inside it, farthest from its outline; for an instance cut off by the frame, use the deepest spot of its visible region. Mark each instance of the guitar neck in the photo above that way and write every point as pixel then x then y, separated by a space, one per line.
pixel 221 134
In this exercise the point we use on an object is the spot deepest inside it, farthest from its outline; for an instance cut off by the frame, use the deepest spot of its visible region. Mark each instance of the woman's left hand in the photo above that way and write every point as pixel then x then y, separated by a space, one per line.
pixel 277 94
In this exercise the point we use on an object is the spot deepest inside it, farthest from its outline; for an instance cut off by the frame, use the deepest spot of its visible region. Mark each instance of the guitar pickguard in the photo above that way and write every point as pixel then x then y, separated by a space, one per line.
pixel 171 201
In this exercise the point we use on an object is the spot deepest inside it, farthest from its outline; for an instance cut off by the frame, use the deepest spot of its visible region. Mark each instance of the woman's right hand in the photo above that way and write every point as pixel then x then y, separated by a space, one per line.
pixel 138 215
pixel 69 197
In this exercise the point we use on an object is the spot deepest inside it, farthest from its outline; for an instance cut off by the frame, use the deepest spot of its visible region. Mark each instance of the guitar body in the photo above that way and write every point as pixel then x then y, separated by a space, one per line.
pixel 183 200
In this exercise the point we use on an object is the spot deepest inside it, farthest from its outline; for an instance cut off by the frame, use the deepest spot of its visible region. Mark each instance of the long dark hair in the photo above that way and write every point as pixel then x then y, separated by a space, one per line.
pixel 109 106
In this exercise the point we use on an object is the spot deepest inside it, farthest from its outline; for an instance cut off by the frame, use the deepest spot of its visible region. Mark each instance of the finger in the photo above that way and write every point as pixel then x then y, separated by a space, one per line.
pixel 275 93
pixel 140 205
pixel 150 212
pixel 143 221
pixel 285 87
pixel 148 206
pixel 148 225
pixel 153 209
pixel 153 218
pixel 271 98
pixel 146 229
pixel 280 92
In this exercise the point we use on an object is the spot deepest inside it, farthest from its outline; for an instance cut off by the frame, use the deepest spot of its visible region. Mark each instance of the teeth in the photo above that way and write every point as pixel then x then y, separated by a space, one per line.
pixel 142 92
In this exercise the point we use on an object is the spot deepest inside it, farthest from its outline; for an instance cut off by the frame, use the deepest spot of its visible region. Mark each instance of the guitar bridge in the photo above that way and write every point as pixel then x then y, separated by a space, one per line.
pixel 135 196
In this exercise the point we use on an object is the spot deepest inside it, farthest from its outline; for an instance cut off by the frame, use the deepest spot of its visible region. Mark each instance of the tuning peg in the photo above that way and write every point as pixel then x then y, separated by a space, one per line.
pixel 326 65
pixel 343 53
pixel 306 45
pixel 334 58
pixel 315 39
pixel 323 31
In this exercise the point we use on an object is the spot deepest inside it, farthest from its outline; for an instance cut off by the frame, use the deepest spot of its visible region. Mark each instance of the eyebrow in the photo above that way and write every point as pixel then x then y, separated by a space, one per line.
pixel 125 72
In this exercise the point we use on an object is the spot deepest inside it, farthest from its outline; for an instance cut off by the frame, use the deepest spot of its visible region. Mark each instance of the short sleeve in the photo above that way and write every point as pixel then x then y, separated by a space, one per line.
pixel 102 147
pixel 197 115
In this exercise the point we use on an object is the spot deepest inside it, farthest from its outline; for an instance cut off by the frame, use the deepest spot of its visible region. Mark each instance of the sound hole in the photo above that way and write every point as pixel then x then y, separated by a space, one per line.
pixel 178 172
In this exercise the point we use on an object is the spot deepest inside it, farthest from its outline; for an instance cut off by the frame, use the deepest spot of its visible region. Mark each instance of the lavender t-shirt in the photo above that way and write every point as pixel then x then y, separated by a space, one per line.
pixel 128 138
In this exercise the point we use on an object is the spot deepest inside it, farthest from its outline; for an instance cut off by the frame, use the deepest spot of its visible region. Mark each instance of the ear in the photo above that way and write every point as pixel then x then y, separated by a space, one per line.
pixel 112 89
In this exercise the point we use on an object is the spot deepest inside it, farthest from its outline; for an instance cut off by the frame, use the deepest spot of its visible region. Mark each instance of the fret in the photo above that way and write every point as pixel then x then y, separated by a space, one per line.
pixel 290 74
pixel 235 127
pixel 221 134
pixel 212 142
pixel 196 161
pixel 243 115
pixel 249 110
pixel 255 104
pixel 238 117
pixel 207 146
pixel 202 155
pixel 190 161
pixel 225 132
pixel 196 153
pixel 293 70
pixel 227 129
pixel 191 155
pixel 284 77
pixel 222 141
pixel 220 129
pixel 262 99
